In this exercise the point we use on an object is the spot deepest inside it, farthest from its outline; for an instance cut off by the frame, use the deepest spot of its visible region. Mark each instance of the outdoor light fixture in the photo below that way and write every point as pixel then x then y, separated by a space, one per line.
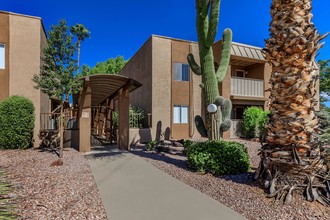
pixel 212 109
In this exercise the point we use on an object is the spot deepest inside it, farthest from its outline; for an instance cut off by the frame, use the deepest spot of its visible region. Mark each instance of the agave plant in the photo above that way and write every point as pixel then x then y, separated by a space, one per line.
pixel 293 157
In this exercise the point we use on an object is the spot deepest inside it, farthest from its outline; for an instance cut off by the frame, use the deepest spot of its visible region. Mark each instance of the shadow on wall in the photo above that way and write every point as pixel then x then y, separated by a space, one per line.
pixel 160 134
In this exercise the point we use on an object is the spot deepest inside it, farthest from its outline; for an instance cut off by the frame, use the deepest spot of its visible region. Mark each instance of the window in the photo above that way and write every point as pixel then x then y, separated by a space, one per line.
pixel 2 56
pixel 181 72
pixel 239 73
pixel 180 114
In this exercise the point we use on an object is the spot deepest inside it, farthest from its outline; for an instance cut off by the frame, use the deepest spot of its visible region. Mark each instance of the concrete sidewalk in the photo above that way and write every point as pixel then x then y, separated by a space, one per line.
pixel 132 189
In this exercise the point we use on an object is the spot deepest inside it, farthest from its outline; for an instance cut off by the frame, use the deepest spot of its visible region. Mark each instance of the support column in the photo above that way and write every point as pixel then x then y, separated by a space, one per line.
pixel 85 118
pixel 123 119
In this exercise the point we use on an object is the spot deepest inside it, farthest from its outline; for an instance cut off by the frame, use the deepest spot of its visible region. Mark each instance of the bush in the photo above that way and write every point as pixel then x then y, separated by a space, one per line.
pixel 133 122
pixel 17 123
pixel 151 145
pixel 255 120
pixel 218 157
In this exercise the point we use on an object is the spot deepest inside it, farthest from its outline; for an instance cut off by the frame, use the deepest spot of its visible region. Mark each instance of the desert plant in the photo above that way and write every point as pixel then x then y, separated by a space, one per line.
pixel 218 157
pixel 207 17
pixel 255 119
pixel 292 159
pixel 151 145
pixel 17 123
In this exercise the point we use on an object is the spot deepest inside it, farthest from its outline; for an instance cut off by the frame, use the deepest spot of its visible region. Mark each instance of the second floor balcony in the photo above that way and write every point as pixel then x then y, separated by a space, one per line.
pixel 248 87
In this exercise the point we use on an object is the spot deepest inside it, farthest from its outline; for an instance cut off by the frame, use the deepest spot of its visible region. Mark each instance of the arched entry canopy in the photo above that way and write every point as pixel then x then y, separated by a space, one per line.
pixel 102 89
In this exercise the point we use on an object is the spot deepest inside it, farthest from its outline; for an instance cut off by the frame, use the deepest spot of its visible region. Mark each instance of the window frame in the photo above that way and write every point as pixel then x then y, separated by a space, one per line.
pixel 181 73
pixel 181 121
pixel 2 67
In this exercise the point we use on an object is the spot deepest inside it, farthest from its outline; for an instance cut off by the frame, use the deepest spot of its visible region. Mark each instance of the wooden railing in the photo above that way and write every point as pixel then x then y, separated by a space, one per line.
pixel 247 87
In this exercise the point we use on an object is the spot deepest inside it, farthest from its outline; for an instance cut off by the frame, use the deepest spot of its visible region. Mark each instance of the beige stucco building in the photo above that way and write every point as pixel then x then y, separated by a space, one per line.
pixel 22 39
pixel 171 93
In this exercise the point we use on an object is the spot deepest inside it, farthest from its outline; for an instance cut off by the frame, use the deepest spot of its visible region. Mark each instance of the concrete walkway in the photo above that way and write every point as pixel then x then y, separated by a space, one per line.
pixel 132 189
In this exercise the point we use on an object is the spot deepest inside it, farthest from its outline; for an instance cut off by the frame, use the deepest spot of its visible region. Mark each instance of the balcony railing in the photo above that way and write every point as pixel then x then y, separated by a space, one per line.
pixel 247 87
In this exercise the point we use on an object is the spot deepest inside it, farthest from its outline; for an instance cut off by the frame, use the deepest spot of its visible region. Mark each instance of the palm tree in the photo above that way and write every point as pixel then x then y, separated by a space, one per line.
pixel 293 158
pixel 81 32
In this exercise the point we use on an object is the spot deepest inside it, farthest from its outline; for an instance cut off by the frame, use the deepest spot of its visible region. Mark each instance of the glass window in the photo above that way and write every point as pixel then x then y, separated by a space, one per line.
pixel 184 114
pixel 177 114
pixel 181 72
pixel 180 114
pixel 2 56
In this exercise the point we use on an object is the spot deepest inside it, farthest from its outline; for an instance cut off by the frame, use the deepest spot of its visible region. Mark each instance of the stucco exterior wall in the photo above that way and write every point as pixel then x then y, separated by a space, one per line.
pixel 139 67
pixel 197 94
pixel 24 61
pixel 256 71
pixel 44 99
pixel 4 39
pixel 161 86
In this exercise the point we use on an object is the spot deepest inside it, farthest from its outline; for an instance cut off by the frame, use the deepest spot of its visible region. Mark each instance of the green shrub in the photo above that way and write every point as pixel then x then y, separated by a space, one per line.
pixel 255 120
pixel 186 145
pixel 150 145
pixel 218 157
pixel 134 120
pixel 17 123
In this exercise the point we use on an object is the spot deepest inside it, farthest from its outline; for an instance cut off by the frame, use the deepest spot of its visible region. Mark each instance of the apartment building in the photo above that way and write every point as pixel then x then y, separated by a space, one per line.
pixel 22 39
pixel 171 93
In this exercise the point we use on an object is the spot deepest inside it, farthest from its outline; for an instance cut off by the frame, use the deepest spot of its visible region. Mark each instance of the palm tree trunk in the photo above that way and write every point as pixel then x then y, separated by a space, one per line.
pixel 292 157
pixel 78 60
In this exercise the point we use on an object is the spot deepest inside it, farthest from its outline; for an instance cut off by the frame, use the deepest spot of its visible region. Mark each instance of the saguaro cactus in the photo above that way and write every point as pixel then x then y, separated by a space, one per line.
pixel 207 18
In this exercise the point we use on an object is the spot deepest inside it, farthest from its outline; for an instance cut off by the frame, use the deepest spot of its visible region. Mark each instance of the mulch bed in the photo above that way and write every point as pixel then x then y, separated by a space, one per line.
pixel 44 192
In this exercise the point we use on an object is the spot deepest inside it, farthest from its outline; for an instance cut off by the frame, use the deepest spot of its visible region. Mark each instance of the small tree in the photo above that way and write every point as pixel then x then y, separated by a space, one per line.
pixel 56 78
pixel 324 79
pixel 110 66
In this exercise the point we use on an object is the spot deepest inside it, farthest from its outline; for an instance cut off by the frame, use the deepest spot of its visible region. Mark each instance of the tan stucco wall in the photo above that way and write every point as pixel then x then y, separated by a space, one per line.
pixel 139 67
pixel 4 39
pixel 24 61
pixel 255 71
pixel 197 94
pixel 44 99
pixel 161 85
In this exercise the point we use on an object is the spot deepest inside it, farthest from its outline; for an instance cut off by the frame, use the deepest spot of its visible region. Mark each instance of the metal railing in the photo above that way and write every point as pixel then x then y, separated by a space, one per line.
pixel 247 87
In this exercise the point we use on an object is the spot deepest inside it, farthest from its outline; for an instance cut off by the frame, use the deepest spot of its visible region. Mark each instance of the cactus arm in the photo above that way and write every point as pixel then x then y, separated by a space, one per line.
pixel 225 55
pixel 193 65
pixel 213 23
pixel 225 125
pixel 226 109
pixel 200 126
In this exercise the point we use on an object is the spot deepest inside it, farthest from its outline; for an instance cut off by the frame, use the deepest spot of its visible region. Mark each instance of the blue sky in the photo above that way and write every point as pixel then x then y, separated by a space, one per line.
pixel 121 27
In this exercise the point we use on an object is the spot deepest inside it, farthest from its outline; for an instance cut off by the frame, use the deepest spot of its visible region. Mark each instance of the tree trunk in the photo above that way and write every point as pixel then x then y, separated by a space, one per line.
pixel 78 60
pixel 292 157
pixel 61 132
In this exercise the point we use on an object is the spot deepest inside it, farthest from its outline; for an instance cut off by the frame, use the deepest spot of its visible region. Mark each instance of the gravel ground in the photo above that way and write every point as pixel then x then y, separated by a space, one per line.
pixel 238 192
pixel 45 192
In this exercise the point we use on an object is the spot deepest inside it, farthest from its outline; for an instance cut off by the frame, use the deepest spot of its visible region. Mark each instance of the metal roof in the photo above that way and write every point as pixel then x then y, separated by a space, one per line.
pixel 104 86
pixel 248 51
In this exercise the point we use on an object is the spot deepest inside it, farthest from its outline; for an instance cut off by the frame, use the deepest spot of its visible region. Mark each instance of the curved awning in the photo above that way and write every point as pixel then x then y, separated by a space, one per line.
pixel 104 86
